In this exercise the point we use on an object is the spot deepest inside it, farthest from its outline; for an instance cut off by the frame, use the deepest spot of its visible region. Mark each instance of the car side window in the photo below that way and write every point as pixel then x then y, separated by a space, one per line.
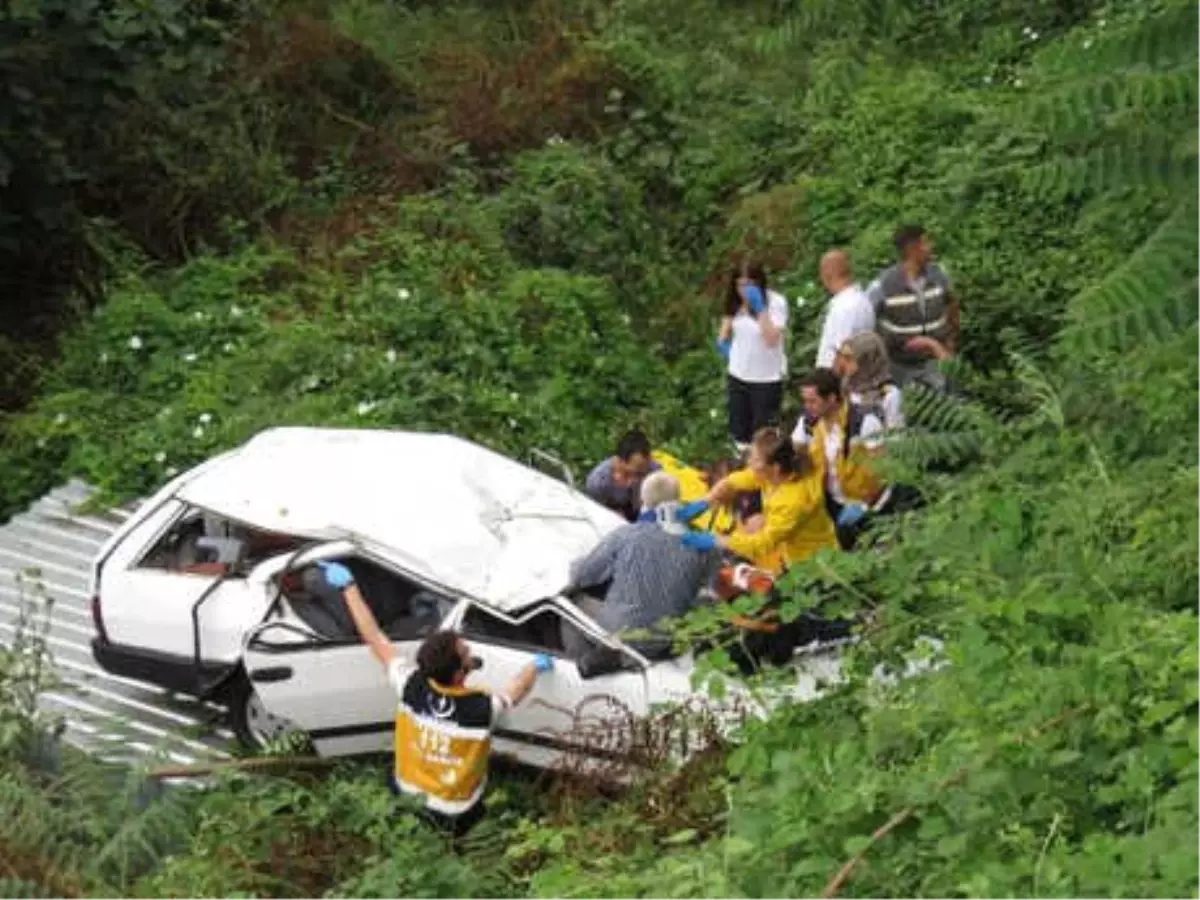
pixel 203 543
pixel 404 609
pixel 542 632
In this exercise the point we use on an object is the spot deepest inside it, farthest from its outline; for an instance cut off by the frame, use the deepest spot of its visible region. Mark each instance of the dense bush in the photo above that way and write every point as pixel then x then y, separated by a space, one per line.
pixel 513 221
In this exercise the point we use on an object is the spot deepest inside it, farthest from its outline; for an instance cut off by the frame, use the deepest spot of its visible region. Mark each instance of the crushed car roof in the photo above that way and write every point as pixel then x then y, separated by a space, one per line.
pixel 447 510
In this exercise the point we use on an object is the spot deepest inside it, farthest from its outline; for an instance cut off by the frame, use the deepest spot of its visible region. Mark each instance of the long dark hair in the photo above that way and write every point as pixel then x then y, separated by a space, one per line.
pixel 749 268
pixel 778 450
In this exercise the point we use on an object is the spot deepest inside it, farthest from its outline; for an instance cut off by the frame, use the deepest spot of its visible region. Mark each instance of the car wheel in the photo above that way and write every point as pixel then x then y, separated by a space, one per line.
pixel 253 724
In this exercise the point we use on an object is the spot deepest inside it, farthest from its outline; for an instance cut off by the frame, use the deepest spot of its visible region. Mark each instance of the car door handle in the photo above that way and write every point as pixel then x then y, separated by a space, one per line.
pixel 271 673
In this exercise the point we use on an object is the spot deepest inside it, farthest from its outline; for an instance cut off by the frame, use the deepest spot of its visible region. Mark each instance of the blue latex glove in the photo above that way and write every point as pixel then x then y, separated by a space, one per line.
pixel 689 511
pixel 754 296
pixel 723 347
pixel 543 662
pixel 700 540
pixel 851 513
pixel 336 575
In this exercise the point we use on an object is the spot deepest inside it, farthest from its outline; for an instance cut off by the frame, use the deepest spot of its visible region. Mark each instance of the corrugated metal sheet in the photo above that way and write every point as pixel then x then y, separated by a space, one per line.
pixel 45 554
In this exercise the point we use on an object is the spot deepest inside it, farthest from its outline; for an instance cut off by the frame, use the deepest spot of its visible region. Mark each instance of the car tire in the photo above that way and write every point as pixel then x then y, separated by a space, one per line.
pixel 255 728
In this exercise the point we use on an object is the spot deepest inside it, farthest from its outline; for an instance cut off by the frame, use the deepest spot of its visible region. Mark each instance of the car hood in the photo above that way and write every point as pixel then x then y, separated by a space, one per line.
pixel 446 510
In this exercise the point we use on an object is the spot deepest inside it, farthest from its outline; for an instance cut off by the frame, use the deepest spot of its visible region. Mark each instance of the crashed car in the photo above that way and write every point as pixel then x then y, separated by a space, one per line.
pixel 211 588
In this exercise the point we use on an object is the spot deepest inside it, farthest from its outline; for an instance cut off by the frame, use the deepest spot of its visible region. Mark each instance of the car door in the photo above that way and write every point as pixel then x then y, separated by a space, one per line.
pixel 564 713
pixel 333 688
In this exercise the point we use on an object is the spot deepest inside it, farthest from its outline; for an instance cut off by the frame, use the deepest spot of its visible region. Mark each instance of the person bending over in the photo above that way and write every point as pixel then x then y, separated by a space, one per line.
pixel 651 575
pixel 793 525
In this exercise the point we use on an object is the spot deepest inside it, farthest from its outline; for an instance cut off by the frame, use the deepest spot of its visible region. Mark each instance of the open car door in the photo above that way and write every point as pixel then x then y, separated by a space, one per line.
pixel 307 665
pixel 584 722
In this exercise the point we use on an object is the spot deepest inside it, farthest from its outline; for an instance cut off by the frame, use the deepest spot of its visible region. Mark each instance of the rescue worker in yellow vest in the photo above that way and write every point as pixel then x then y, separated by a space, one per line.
pixel 794 524
pixel 443 728
pixel 842 444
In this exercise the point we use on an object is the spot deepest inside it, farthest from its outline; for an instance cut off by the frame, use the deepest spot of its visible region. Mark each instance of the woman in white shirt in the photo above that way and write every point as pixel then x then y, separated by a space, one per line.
pixel 751 338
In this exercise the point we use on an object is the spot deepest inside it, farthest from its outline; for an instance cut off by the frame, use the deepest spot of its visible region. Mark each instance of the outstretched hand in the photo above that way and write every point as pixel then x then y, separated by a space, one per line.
pixel 700 540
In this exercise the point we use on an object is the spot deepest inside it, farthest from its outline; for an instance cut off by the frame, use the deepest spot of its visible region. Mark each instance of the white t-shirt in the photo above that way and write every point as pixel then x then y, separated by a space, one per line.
pixel 849 312
pixel 750 359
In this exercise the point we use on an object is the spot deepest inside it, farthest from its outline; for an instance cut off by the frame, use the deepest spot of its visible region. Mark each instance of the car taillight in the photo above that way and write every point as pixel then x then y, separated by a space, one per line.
pixel 97 618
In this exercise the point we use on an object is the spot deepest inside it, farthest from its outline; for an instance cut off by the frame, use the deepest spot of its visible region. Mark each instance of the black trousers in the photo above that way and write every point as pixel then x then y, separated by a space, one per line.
pixel 752 405
pixel 451 826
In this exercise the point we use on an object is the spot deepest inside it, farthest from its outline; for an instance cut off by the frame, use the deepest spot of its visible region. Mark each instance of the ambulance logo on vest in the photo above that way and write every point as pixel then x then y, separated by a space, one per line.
pixel 441 707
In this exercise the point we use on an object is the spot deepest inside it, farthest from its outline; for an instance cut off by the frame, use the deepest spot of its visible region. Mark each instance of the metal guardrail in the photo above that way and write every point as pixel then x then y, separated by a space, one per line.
pixel 46 552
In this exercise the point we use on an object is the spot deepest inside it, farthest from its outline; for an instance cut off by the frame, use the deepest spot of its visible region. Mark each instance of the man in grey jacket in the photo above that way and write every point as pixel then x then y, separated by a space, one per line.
pixel 916 311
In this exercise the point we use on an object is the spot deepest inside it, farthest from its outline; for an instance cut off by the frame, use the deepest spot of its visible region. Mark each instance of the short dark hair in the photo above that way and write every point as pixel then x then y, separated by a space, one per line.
pixel 826 382
pixel 906 236
pixel 632 443
pixel 438 657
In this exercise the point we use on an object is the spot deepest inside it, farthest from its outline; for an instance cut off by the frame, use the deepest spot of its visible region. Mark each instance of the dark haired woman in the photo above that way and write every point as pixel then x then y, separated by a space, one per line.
pixel 751 338
pixel 794 523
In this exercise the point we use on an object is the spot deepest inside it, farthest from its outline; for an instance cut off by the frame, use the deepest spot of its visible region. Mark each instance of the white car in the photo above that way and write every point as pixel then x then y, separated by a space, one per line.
pixel 210 589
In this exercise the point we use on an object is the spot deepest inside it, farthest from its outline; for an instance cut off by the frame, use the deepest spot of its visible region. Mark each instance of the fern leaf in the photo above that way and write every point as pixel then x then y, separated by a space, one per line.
pixel 1148 297
pixel 1080 103
pixel 1166 38
pixel 1139 163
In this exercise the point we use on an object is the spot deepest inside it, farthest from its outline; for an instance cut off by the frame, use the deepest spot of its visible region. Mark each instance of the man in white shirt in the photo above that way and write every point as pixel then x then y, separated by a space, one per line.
pixel 849 311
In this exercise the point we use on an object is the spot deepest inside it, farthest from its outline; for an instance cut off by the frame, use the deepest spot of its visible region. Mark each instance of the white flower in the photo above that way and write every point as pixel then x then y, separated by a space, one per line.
pixel 1025 30
pixel 310 383
pixel 1017 82
pixel 987 79
pixel 1033 35
pixel 164 412
pixel 512 423
pixel 1102 23
pixel 625 318
pixel 712 413
pixel 135 343
pixel 198 431
pixel 390 356
pixel 235 311
pixel 514 396
pixel 198 316
pixel 104 357
pixel 403 293
pixel 171 472
pixel 366 407
pixel 41 442
pixel 554 140
pixel 60 419
pixel 189 357
pixel 800 301
pixel 160 457
pixel 1087 44
pixel 227 347
pixel 205 418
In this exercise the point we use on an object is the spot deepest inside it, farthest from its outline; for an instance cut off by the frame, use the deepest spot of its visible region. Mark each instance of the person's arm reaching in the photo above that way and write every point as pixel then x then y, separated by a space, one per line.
pixel 338 576
pixel 725 490
pixel 597 566
pixel 781 522
pixel 518 689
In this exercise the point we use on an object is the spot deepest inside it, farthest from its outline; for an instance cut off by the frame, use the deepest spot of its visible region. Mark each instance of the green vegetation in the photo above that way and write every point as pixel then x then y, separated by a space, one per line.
pixel 511 221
